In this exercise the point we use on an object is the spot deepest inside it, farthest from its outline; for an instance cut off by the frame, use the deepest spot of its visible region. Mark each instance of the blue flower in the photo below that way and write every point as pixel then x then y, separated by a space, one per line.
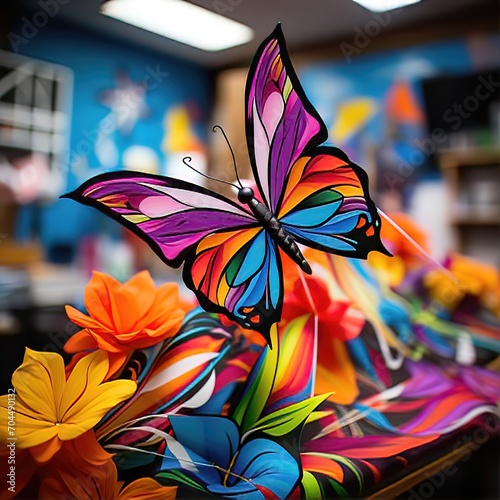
pixel 209 450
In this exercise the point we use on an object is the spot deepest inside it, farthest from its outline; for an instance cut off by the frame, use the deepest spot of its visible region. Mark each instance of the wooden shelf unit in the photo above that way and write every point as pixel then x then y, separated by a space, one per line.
pixel 473 175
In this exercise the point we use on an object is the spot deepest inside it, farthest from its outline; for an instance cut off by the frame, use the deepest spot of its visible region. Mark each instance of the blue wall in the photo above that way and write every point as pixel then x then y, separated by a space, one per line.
pixel 96 62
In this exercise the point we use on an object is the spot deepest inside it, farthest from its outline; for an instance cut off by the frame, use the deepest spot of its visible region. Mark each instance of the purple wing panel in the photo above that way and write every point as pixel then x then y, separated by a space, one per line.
pixel 280 121
pixel 171 215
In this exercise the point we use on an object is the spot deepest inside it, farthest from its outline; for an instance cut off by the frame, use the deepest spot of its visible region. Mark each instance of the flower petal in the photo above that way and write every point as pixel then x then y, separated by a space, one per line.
pixel 100 300
pixel 214 438
pixel 263 463
pixel 166 308
pixel 134 300
pixel 142 283
pixel 80 341
pixel 86 451
pixel 117 360
pixel 33 431
pixel 45 451
pixel 107 341
pixel 89 372
pixel 93 405
pixel 99 483
pixel 39 382
pixel 80 319
pixel 148 489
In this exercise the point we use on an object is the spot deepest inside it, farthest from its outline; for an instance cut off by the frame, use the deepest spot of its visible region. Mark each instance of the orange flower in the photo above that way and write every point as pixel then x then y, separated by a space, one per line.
pixel 336 318
pixel 406 256
pixel 124 317
pixel 102 484
pixel 399 244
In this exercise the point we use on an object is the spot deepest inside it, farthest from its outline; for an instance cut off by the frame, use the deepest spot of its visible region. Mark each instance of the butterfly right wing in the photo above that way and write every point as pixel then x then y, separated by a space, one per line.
pixel 327 206
pixel 230 262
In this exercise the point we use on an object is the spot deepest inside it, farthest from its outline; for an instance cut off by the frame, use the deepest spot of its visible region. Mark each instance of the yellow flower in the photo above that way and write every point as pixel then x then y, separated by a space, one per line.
pixel 471 278
pixel 48 409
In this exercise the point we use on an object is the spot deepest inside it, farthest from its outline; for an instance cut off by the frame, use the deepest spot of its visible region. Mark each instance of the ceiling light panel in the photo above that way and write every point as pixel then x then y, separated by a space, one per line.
pixel 181 21
pixel 383 5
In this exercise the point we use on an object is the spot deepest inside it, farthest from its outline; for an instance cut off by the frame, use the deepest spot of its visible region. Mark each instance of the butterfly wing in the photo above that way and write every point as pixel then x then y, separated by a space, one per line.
pixel 280 121
pixel 326 205
pixel 171 215
pixel 230 262
pixel 239 274
pixel 317 193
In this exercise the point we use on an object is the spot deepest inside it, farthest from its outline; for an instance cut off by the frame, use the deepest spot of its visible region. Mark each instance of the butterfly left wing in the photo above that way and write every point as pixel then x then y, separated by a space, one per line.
pixel 327 206
pixel 230 262
pixel 170 215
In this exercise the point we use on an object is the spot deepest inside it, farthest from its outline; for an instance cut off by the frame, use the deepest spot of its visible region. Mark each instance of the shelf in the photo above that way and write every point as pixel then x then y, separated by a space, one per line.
pixel 474 207
pixel 469 157
pixel 470 216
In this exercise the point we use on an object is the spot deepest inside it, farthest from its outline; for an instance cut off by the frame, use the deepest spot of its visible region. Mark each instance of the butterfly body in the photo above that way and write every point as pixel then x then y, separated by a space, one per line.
pixel 273 226
pixel 306 193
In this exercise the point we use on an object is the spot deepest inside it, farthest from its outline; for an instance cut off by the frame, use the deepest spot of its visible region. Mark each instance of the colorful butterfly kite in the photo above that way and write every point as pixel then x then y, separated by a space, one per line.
pixel 232 252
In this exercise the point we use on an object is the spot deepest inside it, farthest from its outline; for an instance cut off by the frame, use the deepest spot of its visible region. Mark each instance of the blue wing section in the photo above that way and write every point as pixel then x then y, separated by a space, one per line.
pixel 254 260
pixel 312 216
pixel 238 273
pixel 261 270
pixel 326 205
pixel 335 233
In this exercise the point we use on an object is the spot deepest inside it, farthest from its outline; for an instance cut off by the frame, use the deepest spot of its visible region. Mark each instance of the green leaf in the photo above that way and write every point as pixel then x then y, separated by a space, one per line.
pixel 255 397
pixel 311 486
pixel 180 477
pixel 338 488
pixel 318 415
pixel 285 420
pixel 271 362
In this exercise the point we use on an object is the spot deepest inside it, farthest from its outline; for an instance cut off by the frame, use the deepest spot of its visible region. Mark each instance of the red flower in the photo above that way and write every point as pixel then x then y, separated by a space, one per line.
pixel 337 322
pixel 336 318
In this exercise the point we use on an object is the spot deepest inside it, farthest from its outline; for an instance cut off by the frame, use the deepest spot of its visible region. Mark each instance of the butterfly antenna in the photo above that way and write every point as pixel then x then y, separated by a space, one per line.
pixel 422 250
pixel 218 127
pixel 186 161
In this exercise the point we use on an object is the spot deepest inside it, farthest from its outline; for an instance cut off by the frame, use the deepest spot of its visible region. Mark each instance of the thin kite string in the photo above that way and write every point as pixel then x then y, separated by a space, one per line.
pixel 422 250
pixel 316 328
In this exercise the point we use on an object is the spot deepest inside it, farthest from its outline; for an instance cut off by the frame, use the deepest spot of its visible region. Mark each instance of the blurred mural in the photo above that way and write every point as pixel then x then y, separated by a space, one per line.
pixel 131 109
pixel 374 107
